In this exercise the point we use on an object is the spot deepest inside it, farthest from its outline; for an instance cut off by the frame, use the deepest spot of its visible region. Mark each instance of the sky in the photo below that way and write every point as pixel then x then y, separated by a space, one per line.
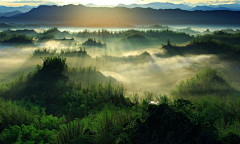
pixel 15 3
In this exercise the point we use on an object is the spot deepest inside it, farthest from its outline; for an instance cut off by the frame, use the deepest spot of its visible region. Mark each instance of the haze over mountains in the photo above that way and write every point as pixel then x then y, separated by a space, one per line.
pixel 79 15
pixel 159 5
pixel 154 5
pixel 23 9
pixel 9 14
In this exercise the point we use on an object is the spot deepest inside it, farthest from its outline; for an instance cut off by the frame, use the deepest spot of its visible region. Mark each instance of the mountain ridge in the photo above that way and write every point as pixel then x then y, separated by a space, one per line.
pixel 9 14
pixel 153 5
pixel 80 15
pixel 23 9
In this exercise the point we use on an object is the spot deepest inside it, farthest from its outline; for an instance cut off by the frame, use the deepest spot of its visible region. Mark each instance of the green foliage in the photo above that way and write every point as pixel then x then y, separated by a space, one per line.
pixel 48 34
pixel 85 75
pixel 73 52
pixel 44 52
pixel 94 42
pixel 231 138
pixel 51 30
pixel 13 114
pixel 165 124
pixel 212 97
pixel 34 85
pixel 10 135
pixel 3 35
pixel 28 134
pixel 16 38
pixel 135 35
pixel 35 125
pixel 54 63
pixel 168 42
pixel 49 87
pixel 141 35
pixel 205 109
pixel 208 81
pixel 50 122
pixel 218 41
pixel 71 130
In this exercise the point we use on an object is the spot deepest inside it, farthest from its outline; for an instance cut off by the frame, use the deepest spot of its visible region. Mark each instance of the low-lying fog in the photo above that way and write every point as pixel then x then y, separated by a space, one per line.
pixel 197 28
pixel 158 74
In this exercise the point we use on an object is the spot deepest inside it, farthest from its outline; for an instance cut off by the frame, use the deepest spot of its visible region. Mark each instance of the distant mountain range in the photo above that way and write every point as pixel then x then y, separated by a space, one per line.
pixel 9 14
pixel 23 9
pixel 79 15
pixel 160 5
pixel 211 8
pixel 155 5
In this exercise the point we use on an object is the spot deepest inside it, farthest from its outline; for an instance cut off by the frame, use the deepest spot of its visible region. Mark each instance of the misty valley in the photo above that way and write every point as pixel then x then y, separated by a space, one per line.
pixel 147 84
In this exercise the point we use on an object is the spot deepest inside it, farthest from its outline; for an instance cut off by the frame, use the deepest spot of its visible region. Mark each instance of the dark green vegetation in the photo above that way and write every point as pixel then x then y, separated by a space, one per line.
pixel 46 106
pixel 93 43
pixel 73 52
pixel 45 36
pixel 231 31
pixel 216 43
pixel 87 75
pixel 133 35
pixel 137 36
pixel 54 33
pixel 79 56
pixel 3 25
pixel 124 38
pixel 142 58
pixel 48 34
pixel 188 30
pixel 153 37
pixel 41 52
pixel 16 38
pixel 56 103
pixel 3 35
pixel 221 36
pixel 27 32
pixel 156 26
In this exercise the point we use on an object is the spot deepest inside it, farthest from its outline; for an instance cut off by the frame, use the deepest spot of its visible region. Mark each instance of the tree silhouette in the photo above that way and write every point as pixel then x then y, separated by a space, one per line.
pixel 168 42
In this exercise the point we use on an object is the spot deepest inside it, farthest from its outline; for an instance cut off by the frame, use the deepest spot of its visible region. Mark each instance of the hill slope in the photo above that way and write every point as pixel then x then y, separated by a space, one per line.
pixel 79 15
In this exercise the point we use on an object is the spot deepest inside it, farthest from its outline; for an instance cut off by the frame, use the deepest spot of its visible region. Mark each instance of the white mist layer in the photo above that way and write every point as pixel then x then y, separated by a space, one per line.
pixel 159 76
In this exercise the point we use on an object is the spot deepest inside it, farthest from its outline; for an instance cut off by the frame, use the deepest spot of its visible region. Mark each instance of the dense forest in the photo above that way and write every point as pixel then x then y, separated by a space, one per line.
pixel 93 43
pixel 46 106
pixel 15 38
pixel 58 103
pixel 124 38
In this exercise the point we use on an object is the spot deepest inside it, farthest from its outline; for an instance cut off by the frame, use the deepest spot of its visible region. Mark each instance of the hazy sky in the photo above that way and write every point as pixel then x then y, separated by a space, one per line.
pixel 111 2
